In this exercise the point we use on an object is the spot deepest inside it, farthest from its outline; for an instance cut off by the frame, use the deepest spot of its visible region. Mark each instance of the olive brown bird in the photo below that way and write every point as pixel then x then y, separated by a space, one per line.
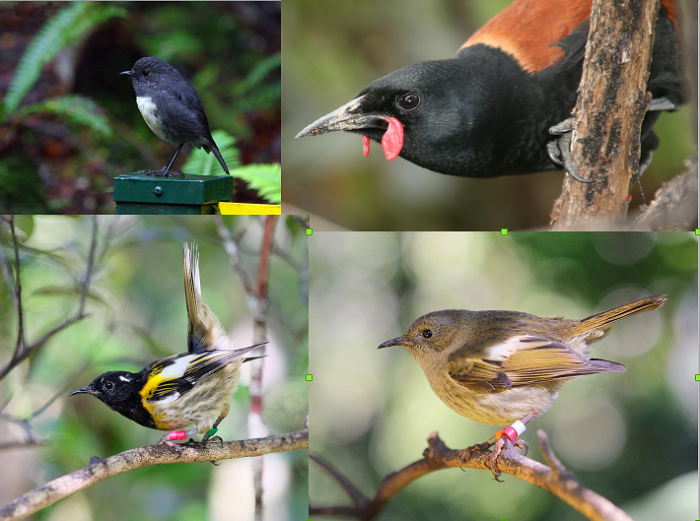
pixel 488 111
pixel 498 367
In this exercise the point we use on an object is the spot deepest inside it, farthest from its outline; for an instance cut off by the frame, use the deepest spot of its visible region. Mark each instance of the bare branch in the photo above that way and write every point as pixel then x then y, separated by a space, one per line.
pixel 22 351
pixel 100 469
pixel 231 248
pixel 554 478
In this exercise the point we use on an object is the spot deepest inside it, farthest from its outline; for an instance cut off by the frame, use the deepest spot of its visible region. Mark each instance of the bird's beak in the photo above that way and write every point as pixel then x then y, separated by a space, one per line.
pixel 88 389
pixel 128 73
pixel 347 117
pixel 393 342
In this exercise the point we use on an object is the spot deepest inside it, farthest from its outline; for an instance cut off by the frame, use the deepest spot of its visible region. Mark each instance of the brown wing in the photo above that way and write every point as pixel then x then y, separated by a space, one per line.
pixel 527 29
pixel 524 360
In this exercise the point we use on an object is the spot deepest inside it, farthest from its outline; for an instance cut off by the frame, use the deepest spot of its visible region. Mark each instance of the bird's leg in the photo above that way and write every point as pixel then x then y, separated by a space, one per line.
pixel 166 169
pixel 213 430
pixel 498 441
pixel 169 438
pixel 559 149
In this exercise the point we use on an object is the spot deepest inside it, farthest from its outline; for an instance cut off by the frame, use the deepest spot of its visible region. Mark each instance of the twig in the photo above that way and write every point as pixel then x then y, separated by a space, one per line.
pixel 554 478
pixel 100 469
pixel 231 248
pixel 22 351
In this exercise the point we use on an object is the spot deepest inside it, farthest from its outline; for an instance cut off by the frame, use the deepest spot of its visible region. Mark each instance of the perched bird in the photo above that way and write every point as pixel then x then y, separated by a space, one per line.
pixel 497 367
pixel 185 389
pixel 488 111
pixel 171 108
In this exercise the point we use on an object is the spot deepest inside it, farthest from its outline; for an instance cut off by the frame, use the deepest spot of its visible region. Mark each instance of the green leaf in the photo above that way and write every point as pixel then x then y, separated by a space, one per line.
pixel 76 109
pixel 201 163
pixel 69 24
pixel 265 178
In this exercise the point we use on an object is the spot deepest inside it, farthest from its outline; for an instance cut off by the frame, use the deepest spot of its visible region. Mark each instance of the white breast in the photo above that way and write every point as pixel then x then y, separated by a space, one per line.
pixel 149 112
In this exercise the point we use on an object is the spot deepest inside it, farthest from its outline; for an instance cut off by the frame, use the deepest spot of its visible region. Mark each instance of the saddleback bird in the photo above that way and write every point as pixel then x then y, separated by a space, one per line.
pixel 488 111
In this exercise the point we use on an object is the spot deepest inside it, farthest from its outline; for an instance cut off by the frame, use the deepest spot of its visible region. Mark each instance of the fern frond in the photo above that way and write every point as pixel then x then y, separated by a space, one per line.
pixel 76 109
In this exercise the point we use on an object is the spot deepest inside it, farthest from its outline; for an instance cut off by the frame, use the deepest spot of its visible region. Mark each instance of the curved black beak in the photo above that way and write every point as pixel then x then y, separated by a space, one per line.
pixel 348 117
pixel 128 73
pixel 88 389
pixel 393 342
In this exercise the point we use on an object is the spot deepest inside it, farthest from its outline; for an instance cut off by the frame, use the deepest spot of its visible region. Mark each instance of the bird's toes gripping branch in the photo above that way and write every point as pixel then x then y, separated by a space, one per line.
pixel 498 441
pixel 559 149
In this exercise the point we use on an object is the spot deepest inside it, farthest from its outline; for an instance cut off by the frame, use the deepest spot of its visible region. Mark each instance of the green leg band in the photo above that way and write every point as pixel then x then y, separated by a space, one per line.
pixel 212 431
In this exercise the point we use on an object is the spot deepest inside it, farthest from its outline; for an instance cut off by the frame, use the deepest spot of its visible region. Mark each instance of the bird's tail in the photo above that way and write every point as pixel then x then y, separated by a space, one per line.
pixel 605 318
pixel 204 331
pixel 215 149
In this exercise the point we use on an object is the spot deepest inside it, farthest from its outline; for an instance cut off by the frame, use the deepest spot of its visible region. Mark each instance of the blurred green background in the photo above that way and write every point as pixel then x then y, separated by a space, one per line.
pixel 69 122
pixel 631 437
pixel 332 50
pixel 137 314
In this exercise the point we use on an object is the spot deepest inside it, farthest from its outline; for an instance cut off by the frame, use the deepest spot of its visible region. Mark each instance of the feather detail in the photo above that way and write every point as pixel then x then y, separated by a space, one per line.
pixel 204 330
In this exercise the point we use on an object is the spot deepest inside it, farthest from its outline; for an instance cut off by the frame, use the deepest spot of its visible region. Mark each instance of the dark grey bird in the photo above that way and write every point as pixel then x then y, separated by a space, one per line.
pixel 171 108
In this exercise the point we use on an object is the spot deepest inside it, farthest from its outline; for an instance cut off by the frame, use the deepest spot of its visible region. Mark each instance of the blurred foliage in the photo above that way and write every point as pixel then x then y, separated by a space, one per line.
pixel 332 50
pixel 137 314
pixel 372 411
pixel 266 179
pixel 64 29
pixel 201 163
pixel 79 122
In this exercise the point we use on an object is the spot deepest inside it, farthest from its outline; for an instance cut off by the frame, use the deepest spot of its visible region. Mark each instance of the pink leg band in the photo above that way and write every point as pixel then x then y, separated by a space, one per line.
pixel 177 435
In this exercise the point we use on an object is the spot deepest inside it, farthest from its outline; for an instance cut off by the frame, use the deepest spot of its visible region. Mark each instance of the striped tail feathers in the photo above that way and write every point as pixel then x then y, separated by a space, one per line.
pixel 603 321
pixel 204 330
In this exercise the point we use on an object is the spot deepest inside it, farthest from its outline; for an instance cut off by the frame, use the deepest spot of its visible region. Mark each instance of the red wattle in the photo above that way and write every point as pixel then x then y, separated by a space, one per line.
pixel 365 145
pixel 392 141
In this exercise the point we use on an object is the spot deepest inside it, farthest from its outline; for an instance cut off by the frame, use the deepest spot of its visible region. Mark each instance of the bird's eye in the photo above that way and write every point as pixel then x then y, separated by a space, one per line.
pixel 409 101
pixel 146 72
pixel 109 386
pixel 427 333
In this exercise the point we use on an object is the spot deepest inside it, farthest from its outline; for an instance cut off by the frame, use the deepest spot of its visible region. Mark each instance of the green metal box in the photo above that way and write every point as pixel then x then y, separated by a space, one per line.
pixel 187 194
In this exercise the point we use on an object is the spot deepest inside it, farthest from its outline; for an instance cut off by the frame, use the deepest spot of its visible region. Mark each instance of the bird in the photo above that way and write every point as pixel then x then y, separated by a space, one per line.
pixel 184 389
pixel 487 112
pixel 171 108
pixel 497 367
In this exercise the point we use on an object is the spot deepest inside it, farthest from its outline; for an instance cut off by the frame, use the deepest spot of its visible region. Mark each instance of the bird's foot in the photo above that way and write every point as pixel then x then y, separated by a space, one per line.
pixel 559 149
pixel 466 453
pixel 210 436
pixel 169 439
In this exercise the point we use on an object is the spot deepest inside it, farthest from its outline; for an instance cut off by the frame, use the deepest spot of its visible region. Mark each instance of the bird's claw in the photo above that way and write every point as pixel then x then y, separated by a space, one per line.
pixel 559 149
pixel 174 446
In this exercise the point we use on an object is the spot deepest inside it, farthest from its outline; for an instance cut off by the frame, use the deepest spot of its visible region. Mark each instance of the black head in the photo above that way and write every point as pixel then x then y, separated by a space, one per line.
pixel 152 71
pixel 458 115
pixel 113 388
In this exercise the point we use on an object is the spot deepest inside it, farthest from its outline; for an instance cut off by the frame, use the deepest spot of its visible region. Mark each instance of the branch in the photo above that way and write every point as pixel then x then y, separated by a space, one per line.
pixel 100 469
pixel 22 351
pixel 675 204
pixel 231 248
pixel 611 106
pixel 257 425
pixel 554 478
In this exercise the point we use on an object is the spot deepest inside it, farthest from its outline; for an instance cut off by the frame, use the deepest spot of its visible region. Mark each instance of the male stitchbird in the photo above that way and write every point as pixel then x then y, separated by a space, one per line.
pixel 171 108
pixel 496 367
pixel 180 390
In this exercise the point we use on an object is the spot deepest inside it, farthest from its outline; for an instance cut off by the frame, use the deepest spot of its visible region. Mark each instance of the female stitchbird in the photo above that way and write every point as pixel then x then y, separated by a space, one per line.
pixel 180 390
pixel 497 367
